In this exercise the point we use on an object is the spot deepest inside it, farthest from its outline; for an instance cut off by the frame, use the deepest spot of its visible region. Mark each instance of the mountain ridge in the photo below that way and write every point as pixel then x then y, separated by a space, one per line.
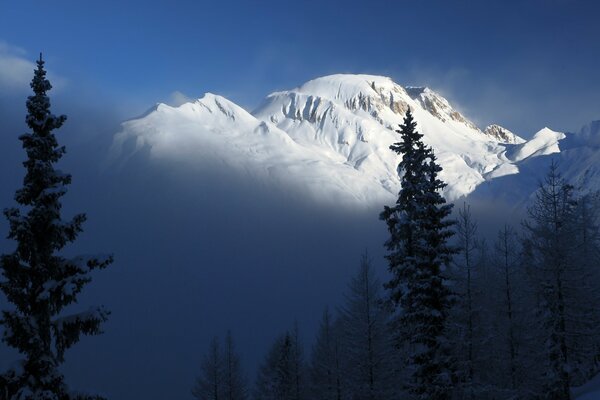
pixel 330 138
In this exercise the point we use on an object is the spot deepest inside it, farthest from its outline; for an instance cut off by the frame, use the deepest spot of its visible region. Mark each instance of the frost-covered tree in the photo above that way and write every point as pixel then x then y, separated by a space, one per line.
pixel 369 353
pixel 37 280
pixel 326 376
pixel 276 379
pixel 210 385
pixel 418 253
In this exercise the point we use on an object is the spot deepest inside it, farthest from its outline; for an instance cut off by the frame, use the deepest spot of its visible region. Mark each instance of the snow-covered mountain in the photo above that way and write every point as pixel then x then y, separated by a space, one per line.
pixel 502 134
pixel 330 138
pixel 577 155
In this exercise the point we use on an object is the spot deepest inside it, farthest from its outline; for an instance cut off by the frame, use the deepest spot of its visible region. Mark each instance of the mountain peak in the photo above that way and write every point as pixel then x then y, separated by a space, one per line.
pixel 438 106
pixel 502 134
pixel 330 138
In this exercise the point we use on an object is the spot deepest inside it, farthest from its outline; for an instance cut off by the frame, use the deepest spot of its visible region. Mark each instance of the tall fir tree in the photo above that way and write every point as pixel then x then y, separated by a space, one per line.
pixel 37 280
pixel 418 253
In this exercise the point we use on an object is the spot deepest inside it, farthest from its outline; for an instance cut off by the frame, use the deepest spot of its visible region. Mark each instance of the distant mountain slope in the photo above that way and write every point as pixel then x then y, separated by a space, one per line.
pixel 577 156
pixel 330 138
pixel 213 132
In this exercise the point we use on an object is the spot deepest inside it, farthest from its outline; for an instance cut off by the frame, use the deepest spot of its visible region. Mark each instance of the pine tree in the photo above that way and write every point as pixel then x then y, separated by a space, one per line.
pixel 38 281
pixel 418 254
pixel 210 383
pixel 366 337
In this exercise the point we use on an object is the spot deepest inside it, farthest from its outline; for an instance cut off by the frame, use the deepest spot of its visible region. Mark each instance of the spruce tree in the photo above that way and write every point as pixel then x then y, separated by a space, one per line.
pixel 37 280
pixel 418 253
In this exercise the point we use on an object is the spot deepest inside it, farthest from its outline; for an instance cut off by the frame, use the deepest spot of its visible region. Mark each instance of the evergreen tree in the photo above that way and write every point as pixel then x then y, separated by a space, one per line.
pixel 418 254
pixel 276 380
pixel 221 376
pixel 326 364
pixel 506 252
pixel 298 364
pixel 210 384
pixel 38 281
pixel 366 337
pixel 466 230
pixel 588 257
pixel 548 237
pixel 234 384
pixel 511 355
pixel 567 297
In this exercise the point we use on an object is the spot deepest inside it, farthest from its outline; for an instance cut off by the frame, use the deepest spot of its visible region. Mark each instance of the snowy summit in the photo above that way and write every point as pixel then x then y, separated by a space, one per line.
pixel 329 138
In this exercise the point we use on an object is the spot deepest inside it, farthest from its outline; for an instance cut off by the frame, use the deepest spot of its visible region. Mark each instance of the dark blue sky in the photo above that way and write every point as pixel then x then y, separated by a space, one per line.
pixel 522 64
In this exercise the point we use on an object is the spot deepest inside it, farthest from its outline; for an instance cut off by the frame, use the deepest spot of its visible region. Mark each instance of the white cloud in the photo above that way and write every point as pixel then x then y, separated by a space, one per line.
pixel 177 98
pixel 15 69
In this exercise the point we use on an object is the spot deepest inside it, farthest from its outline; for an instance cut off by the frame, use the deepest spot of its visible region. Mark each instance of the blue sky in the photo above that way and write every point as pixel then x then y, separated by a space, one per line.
pixel 522 64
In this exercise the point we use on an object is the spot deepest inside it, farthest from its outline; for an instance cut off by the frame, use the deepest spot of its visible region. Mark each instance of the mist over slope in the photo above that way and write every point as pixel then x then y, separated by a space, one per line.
pixel 577 155
pixel 329 139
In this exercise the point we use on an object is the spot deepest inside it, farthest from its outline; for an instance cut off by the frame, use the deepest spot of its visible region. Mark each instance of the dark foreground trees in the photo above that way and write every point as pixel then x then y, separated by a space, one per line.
pixel 276 378
pixel 564 273
pixel 221 376
pixel 37 281
pixel 369 359
pixel 418 253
